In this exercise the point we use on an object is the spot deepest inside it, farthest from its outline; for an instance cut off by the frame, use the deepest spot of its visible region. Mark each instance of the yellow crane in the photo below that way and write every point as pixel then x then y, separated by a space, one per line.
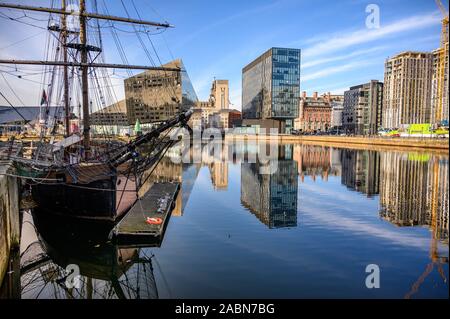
pixel 444 34
pixel 442 65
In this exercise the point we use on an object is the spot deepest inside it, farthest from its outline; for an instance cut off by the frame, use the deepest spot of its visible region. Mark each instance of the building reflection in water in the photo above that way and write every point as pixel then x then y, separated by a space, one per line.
pixel 410 186
pixel 414 191
pixel 315 161
pixel 218 168
pixel 272 198
pixel 172 169
pixel 361 171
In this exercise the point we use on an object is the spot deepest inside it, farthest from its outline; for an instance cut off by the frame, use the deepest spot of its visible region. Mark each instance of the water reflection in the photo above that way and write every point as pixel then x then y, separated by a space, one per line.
pixel 361 171
pixel 409 185
pixel 272 198
pixel 415 192
pixel 106 270
pixel 314 161
pixel 219 169
pixel 379 190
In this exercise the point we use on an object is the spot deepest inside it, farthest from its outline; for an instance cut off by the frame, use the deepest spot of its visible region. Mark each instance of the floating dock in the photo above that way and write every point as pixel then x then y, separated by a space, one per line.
pixel 148 218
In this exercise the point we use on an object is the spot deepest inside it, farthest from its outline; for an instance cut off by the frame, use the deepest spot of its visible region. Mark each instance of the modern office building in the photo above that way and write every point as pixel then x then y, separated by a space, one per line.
pixel 271 89
pixel 363 106
pixel 155 96
pixel 314 114
pixel 407 89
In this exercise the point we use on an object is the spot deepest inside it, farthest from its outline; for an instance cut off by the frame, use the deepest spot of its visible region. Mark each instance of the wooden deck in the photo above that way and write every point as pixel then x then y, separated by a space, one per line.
pixel 158 202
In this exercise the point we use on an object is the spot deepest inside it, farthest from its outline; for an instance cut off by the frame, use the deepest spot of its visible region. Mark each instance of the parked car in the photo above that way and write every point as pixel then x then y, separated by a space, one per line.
pixel 333 132
pixel 441 132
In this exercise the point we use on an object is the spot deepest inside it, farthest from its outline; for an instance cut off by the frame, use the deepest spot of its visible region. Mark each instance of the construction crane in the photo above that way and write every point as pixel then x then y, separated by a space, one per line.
pixel 444 34
pixel 442 68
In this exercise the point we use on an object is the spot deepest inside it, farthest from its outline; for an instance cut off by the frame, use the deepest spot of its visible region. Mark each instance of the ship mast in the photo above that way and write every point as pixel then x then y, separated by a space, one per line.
pixel 84 80
pixel 84 64
pixel 66 72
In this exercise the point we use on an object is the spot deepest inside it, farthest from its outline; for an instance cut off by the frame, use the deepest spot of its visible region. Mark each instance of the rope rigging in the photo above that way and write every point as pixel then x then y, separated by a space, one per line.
pixel 103 98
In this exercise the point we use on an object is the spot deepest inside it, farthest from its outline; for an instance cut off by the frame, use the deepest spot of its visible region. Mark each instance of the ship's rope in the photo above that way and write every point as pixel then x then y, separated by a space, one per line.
pixel 29 177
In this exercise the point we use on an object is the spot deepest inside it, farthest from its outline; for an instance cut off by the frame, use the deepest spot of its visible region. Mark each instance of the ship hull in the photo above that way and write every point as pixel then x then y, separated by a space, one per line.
pixel 79 201
pixel 103 200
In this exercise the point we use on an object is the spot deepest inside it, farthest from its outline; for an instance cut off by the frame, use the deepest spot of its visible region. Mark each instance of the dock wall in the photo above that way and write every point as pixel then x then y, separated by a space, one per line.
pixel 9 215
pixel 424 144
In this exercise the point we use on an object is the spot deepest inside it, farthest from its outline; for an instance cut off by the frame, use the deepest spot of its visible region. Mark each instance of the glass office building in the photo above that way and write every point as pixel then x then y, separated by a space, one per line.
pixel 271 86
pixel 156 96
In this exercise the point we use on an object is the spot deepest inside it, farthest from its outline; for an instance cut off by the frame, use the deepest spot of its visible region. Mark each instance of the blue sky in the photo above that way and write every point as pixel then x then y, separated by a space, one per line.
pixel 217 38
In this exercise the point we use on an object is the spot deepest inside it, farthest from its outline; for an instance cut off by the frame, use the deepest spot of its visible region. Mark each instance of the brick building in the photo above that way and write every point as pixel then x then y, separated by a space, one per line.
pixel 314 113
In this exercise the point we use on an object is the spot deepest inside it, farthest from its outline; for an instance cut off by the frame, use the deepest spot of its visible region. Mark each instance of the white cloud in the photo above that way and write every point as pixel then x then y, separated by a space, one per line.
pixel 316 62
pixel 333 70
pixel 228 19
pixel 342 41
pixel 356 226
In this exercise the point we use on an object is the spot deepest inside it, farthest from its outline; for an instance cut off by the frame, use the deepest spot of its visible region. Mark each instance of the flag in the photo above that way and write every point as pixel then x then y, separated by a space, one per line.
pixel 44 98
pixel 137 127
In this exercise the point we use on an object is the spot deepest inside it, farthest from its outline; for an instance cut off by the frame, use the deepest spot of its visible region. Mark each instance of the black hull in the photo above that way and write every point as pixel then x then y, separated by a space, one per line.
pixel 94 201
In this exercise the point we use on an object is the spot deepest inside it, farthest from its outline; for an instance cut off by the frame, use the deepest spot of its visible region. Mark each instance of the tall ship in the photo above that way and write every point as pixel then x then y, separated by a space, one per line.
pixel 78 175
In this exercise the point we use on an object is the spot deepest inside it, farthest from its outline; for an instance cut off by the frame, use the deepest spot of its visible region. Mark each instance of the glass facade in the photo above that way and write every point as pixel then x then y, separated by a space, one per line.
pixel 189 97
pixel 156 96
pixel 272 198
pixel 271 85
pixel 285 83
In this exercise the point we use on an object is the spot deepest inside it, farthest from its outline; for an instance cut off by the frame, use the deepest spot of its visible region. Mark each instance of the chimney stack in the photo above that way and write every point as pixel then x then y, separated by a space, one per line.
pixel 304 94
pixel 315 95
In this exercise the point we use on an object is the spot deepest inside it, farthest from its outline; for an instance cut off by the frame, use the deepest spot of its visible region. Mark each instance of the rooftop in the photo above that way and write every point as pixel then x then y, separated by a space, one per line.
pixel 30 113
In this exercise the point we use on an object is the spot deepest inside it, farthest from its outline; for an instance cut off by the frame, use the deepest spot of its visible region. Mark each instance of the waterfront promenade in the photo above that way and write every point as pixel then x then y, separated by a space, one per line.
pixel 440 145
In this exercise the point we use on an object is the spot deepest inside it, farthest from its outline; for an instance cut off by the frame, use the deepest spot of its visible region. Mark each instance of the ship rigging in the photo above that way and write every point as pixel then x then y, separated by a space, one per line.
pixel 82 177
